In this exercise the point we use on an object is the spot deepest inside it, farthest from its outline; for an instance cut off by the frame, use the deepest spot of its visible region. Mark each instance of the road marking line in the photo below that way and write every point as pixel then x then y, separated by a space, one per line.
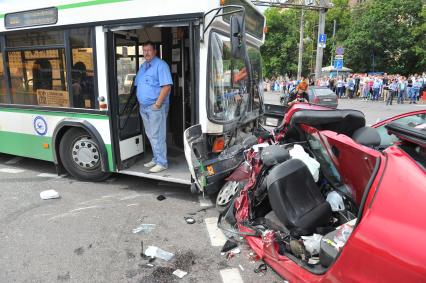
pixel 11 170
pixel 49 175
pixel 231 275
pixel 205 201
pixel 13 161
pixel 131 197
pixel 217 238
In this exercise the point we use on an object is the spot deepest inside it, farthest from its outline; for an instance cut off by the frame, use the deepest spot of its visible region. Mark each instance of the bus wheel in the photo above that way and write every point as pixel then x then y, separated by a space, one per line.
pixel 80 156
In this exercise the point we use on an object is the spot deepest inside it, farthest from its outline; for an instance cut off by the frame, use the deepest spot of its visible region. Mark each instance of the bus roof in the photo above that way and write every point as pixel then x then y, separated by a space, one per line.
pixel 72 12
pixel 90 11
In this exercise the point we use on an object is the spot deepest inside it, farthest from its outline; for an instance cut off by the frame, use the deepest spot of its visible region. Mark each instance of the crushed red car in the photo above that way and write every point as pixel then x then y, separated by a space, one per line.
pixel 323 198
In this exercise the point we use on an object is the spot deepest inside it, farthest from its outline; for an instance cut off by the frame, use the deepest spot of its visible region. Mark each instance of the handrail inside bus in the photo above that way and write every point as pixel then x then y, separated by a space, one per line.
pixel 239 9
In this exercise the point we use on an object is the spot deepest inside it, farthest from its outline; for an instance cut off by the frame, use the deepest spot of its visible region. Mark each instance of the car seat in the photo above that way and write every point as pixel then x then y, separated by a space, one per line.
pixel 296 199
pixel 367 136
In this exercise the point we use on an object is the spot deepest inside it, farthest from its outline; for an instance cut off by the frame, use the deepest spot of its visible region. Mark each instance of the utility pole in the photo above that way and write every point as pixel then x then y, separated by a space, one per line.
pixel 332 49
pixel 320 50
pixel 313 5
pixel 299 63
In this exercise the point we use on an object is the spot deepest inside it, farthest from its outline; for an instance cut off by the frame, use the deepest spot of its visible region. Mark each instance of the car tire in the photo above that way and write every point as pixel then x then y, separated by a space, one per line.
pixel 80 156
pixel 226 194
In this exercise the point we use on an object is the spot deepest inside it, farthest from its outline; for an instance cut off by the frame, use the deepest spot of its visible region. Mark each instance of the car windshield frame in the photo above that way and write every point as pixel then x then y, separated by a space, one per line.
pixel 329 170
pixel 388 139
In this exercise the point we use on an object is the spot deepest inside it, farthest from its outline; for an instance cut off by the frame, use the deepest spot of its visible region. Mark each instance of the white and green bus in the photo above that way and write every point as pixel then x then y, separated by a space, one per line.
pixel 66 73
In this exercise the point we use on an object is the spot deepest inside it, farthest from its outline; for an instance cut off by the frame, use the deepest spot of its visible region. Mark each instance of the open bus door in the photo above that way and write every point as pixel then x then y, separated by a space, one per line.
pixel 128 139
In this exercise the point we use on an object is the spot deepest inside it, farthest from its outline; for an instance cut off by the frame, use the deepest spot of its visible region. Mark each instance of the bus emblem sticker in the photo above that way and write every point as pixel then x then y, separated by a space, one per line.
pixel 40 125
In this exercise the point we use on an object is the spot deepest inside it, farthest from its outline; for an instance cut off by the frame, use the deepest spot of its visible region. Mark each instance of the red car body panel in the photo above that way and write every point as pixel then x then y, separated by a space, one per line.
pixel 355 162
pixel 389 242
pixel 387 121
pixel 301 106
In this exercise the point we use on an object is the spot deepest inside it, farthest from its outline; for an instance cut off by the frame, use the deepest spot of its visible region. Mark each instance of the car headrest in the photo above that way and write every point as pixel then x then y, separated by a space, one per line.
pixel 342 121
pixel 273 155
pixel 367 136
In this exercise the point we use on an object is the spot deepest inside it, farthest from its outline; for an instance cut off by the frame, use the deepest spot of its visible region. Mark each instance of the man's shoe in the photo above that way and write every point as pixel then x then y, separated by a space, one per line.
pixel 157 168
pixel 150 164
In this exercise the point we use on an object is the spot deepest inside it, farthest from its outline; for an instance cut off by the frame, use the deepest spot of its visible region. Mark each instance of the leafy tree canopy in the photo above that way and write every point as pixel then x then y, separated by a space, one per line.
pixel 377 35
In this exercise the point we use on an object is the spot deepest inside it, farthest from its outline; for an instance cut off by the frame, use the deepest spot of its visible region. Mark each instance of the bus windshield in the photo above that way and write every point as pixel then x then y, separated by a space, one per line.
pixel 228 93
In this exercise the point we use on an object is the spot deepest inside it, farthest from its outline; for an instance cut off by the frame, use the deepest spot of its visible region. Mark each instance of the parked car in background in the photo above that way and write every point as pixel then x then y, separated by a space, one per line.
pixel 318 95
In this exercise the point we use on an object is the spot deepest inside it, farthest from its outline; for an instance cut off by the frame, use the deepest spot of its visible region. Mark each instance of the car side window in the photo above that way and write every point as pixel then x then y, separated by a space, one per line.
pixel 389 139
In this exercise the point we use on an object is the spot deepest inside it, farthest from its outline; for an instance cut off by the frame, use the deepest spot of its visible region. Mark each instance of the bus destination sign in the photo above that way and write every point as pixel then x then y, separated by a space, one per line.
pixel 45 16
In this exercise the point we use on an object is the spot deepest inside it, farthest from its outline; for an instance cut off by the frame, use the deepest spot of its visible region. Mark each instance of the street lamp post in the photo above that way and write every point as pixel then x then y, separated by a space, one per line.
pixel 299 63
pixel 320 50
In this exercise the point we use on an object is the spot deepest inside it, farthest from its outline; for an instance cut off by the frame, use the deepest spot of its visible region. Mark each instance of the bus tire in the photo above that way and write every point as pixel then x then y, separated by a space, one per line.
pixel 81 156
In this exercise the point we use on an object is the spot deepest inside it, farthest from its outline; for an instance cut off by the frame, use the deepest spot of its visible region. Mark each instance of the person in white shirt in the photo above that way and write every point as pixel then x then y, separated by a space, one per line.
pixel 366 87
pixel 340 87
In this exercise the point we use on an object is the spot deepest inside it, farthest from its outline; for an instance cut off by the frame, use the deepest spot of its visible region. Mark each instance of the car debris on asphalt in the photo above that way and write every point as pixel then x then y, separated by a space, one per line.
pixel 161 197
pixel 189 220
pixel 146 228
pixel 229 245
pixel 156 252
pixel 49 194
pixel 180 273
pixel 261 269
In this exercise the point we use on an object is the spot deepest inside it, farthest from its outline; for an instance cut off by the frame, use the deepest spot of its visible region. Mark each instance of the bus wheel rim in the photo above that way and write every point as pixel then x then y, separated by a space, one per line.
pixel 85 153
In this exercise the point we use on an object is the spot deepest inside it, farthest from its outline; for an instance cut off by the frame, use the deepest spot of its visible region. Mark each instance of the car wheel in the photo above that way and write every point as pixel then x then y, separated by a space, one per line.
pixel 225 195
pixel 80 156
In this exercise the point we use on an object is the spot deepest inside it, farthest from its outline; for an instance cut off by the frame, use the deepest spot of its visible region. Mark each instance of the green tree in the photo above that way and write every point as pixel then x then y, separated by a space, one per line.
pixel 386 36
pixel 280 49
pixel 378 35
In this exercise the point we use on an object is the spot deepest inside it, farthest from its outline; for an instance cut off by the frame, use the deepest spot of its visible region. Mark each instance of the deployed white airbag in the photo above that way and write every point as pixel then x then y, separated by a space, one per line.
pixel 298 152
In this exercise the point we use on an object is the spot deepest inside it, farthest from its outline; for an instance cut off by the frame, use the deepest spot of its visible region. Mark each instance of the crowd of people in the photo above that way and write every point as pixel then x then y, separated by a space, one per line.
pixel 367 87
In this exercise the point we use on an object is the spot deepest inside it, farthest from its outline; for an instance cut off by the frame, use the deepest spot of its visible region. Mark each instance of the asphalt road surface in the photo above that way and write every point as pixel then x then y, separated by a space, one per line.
pixel 86 235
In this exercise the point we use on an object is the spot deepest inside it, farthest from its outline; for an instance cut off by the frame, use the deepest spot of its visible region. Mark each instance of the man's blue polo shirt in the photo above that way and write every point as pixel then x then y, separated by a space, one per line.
pixel 149 80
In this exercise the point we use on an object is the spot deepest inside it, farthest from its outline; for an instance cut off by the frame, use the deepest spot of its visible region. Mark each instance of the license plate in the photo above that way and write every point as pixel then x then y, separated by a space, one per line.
pixel 273 122
pixel 327 99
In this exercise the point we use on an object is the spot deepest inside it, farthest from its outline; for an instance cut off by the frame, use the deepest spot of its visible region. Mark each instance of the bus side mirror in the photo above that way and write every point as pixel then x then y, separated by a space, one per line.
pixel 237 36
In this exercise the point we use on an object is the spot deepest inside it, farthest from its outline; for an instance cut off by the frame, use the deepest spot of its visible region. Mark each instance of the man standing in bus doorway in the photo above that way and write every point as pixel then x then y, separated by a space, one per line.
pixel 153 84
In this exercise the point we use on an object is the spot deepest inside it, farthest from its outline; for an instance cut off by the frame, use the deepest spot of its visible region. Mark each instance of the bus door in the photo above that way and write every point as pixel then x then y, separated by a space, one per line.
pixel 127 129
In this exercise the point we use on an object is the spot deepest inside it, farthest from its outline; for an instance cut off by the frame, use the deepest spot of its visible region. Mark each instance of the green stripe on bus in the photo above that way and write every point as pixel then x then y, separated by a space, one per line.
pixel 56 113
pixel 26 145
pixel 83 4
pixel 32 146
pixel 88 3
pixel 111 165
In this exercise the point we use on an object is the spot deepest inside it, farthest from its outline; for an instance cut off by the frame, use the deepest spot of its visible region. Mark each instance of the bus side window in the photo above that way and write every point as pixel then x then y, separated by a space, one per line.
pixel 42 74
pixel 82 71
pixel 3 92
pixel 38 77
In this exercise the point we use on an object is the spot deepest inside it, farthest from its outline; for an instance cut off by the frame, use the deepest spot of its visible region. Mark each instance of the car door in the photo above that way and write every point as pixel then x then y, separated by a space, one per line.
pixel 415 118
